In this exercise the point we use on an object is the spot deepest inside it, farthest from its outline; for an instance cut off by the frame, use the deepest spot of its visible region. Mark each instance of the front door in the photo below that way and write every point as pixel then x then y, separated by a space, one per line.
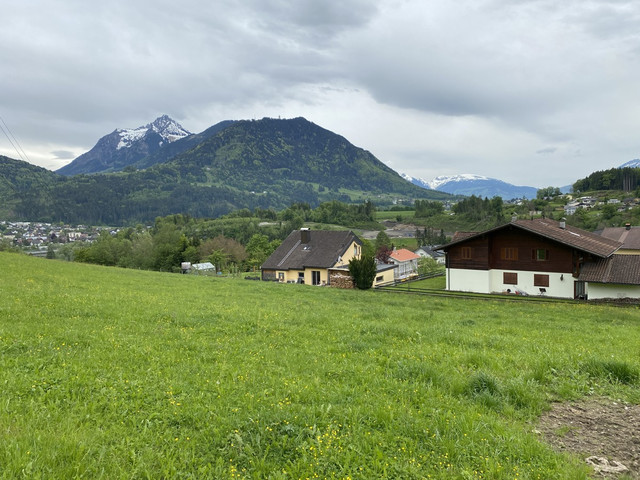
pixel 580 291
pixel 315 277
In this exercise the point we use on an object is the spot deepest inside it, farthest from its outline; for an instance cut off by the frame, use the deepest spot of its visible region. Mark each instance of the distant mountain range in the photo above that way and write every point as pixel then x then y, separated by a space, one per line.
pixel 136 175
pixel 631 164
pixel 478 185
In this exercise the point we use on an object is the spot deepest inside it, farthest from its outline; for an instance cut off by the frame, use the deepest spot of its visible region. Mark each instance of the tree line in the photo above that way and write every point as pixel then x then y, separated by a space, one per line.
pixel 239 241
pixel 626 179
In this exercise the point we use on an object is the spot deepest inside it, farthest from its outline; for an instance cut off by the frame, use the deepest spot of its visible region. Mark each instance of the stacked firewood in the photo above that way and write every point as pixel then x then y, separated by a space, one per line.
pixel 340 280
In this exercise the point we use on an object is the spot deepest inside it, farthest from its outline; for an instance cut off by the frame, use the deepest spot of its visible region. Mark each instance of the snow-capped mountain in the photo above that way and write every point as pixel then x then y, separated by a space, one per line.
pixel 165 126
pixel 631 164
pixel 126 146
pixel 471 184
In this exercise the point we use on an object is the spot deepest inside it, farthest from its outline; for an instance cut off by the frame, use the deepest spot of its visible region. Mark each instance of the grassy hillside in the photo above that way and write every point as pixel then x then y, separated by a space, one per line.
pixel 110 373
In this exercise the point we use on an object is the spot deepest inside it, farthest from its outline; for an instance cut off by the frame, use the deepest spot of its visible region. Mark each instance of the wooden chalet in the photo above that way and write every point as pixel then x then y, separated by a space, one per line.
pixel 528 257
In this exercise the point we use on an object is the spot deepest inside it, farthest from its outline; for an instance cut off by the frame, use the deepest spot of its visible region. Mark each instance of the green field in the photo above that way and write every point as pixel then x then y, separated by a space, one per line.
pixel 112 373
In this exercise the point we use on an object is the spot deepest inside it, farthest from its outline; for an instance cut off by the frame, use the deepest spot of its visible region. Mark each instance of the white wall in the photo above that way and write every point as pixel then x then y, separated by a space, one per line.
pixel 490 281
pixel 602 290
pixel 560 284
pixel 462 280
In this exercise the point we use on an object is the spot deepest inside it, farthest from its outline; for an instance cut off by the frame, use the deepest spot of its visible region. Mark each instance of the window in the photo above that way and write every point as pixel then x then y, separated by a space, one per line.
pixel 510 278
pixel 541 280
pixel 508 253
pixel 540 254
pixel 379 278
pixel 465 253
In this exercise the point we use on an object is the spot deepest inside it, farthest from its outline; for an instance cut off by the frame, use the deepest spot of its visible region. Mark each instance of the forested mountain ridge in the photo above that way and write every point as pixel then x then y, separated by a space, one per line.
pixel 170 150
pixel 621 178
pixel 18 180
pixel 259 154
pixel 267 163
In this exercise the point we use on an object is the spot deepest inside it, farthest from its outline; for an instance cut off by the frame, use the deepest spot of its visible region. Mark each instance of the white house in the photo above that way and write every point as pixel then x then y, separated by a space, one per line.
pixel 407 262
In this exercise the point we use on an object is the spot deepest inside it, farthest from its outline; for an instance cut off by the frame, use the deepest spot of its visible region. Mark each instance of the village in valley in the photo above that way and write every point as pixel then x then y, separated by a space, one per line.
pixel 532 254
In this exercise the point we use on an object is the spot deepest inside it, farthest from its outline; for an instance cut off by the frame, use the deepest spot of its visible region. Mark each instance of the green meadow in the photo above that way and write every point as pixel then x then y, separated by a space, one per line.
pixel 112 373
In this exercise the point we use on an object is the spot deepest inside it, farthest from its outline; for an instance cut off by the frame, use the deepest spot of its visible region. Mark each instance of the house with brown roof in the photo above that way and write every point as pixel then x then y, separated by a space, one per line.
pixel 312 257
pixel 629 237
pixel 617 276
pixel 529 257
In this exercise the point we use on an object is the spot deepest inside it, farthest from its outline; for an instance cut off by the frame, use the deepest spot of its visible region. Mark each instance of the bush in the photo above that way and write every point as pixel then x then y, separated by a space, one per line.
pixel 363 272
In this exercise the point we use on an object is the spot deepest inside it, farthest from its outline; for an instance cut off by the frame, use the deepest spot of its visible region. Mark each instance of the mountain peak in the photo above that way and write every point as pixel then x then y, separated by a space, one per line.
pixel 126 146
pixel 164 125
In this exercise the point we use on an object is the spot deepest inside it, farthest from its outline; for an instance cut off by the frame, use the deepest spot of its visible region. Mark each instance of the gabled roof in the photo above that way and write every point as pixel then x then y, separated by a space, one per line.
pixel 457 236
pixel 403 255
pixel 430 251
pixel 630 238
pixel 619 269
pixel 567 235
pixel 322 250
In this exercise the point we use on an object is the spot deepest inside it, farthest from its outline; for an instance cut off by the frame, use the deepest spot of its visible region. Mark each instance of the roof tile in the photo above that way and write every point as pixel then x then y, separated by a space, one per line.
pixel 322 250
pixel 403 255
pixel 620 269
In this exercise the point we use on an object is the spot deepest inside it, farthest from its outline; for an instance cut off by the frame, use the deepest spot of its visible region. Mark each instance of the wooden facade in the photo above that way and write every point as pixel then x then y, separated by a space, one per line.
pixel 525 256
pixel 514 249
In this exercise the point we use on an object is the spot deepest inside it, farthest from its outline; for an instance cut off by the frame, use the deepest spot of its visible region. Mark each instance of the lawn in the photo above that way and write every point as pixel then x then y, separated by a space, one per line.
pixel 112 373
pixel 403 215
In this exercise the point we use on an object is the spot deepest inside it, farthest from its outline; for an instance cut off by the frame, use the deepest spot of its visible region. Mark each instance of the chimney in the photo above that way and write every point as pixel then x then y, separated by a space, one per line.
pixel 305 235
pixel 514 217
pixel 563 223
pixel 627 226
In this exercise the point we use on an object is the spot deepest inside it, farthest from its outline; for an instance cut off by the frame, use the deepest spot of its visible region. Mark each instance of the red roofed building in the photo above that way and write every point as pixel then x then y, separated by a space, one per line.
pixel 407 262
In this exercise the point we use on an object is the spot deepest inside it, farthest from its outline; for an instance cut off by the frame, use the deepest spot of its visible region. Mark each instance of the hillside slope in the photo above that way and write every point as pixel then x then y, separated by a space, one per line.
pixel 20 180
pixel 114 373
pixel 259 154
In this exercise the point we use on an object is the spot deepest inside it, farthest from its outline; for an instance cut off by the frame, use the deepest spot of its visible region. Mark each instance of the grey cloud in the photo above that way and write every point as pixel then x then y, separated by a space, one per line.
pixel 63 155
pixel 553 73
pixel 546 151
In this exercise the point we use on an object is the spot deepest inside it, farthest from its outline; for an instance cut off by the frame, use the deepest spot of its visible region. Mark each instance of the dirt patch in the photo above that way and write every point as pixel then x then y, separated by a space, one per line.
pixel 604 433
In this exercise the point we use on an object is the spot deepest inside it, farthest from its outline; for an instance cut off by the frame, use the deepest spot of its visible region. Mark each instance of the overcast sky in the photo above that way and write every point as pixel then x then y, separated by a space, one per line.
pixel 533 92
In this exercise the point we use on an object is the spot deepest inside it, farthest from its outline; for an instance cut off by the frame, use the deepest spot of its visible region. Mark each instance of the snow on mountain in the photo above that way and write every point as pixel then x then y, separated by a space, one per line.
pixel 165 126
pixel 421 182
pixel 471 184
pixel 126 146
pixel 631 164
pixel 447 179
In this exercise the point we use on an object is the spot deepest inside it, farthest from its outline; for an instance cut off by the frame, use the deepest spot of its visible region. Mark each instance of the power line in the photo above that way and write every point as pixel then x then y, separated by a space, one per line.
pixel 14 143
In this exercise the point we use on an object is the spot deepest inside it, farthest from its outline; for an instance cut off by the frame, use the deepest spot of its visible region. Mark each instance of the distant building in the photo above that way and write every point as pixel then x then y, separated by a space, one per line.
pixel 407 263
pixel 428 252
